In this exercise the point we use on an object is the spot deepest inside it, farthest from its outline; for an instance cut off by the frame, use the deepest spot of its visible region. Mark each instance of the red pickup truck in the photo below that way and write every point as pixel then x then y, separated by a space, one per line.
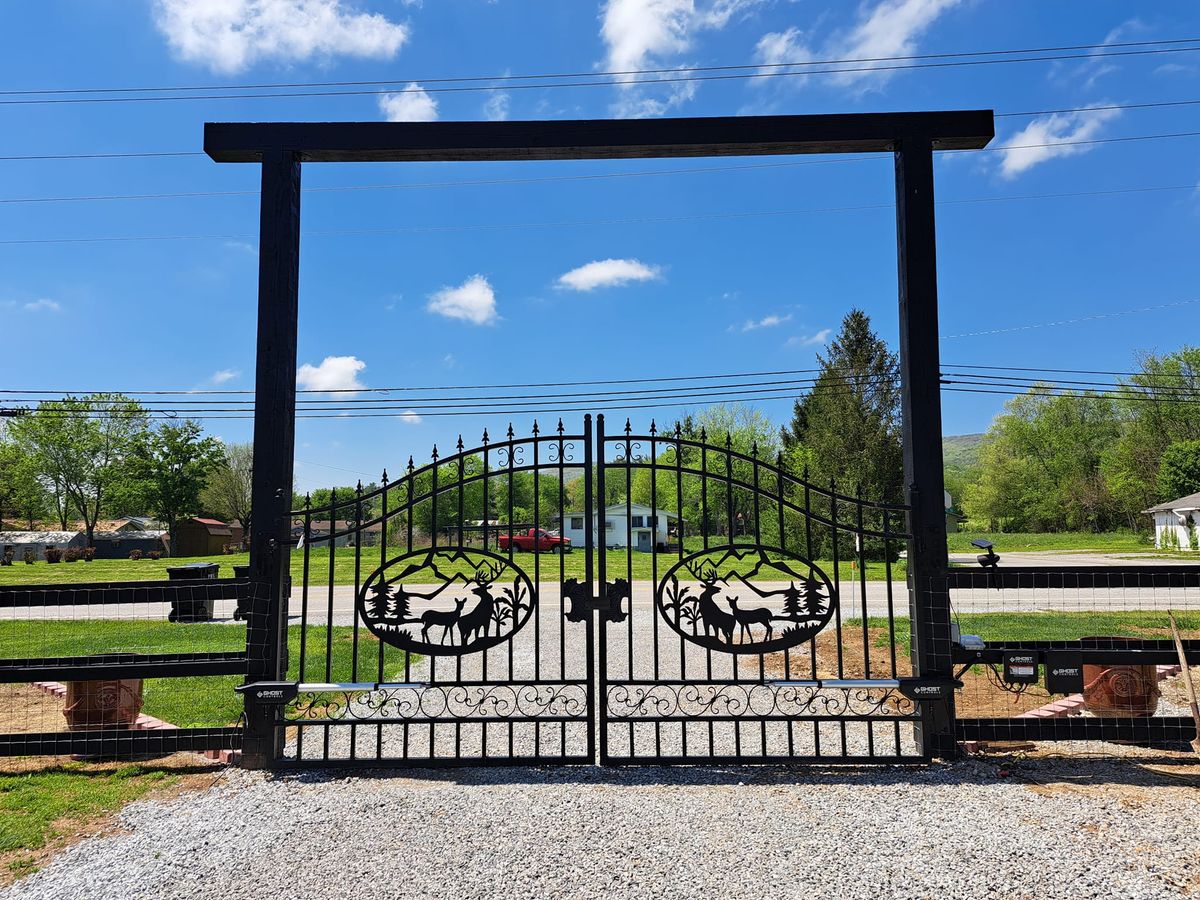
pixel 536 540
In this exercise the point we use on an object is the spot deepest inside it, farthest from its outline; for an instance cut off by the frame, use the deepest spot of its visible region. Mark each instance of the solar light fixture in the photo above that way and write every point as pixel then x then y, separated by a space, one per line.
pixel 989 559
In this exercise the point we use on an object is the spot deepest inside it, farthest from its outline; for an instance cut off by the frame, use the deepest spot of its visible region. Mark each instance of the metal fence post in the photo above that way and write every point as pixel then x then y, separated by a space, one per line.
pixel 929 599
pixel 274 443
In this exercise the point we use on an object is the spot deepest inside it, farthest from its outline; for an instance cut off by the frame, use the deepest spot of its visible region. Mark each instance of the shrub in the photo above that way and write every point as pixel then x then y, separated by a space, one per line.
pixel 72 555
pixel 135 554
pixel 30 557
pixel 7 559
pixel 53 554
pixel 155 554
pixel 89 554
pixel 230 549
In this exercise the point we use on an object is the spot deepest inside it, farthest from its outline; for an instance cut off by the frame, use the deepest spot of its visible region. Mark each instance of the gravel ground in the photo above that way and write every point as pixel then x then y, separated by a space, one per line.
pixel 1047 829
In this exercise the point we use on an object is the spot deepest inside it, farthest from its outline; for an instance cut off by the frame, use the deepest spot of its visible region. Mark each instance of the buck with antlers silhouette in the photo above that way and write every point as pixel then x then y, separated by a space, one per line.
pixel 717 622
pixel 477 623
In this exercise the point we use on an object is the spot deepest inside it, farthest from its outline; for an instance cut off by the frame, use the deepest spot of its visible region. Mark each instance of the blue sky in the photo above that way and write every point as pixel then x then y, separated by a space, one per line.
pixel 746 269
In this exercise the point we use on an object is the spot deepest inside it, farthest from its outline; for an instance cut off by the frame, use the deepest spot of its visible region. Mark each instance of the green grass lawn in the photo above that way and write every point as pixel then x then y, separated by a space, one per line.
pixel 199 701
pixel 102 570
pixel 1052 626
pixel 45 805
pixel 1107 542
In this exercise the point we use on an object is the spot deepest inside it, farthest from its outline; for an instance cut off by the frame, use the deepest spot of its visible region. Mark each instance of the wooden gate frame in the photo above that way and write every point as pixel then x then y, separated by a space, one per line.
pixel 282 147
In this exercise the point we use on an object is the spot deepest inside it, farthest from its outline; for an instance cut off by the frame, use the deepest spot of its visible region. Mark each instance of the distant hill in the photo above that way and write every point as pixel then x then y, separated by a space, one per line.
pixel 961 451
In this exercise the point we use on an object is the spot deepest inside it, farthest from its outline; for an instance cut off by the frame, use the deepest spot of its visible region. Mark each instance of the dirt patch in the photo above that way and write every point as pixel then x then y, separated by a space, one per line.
pixel 25 709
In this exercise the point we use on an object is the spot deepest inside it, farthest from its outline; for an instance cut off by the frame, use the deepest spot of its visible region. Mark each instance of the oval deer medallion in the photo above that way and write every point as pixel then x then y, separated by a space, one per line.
pixel 446 602
pixel 746 599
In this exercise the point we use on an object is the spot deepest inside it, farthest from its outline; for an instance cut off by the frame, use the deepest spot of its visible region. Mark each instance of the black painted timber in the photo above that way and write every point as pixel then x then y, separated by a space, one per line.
pixel 111 592
pixel 1068 577
pixel 120 665
pixel 241 142
pixel 120 743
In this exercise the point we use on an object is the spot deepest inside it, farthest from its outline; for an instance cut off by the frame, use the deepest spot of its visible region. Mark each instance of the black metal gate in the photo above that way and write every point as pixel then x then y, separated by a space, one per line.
pixel 579 597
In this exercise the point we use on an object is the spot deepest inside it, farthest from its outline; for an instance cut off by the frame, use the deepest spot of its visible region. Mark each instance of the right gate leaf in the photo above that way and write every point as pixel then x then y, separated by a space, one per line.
pixel 746 599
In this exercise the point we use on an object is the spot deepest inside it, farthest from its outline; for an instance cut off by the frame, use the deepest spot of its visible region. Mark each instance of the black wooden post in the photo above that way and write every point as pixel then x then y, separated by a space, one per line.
pixel 929 600
pixel 274 444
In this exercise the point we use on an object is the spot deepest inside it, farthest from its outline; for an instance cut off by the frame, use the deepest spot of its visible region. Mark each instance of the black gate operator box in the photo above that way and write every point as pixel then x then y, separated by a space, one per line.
pixel 1064 671
pixel 1020 667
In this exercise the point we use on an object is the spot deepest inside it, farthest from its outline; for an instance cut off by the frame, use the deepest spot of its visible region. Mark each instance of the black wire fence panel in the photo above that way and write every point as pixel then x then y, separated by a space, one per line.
pixel 121 669
pixel 1077 660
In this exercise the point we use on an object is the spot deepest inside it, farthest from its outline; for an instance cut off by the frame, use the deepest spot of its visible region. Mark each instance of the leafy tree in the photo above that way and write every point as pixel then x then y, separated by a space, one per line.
pixel 80 447
pixel 1179 470
pixel 849 421
pixel 21 494
pixel 1040 464
pixel 1157 407
pixel 226 494
pixel 172 464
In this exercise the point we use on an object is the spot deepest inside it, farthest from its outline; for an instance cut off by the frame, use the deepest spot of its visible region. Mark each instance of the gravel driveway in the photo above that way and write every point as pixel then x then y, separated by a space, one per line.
pixel 1052 828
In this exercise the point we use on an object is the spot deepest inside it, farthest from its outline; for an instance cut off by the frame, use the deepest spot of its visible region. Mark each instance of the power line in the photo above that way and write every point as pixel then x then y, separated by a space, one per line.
pixel 645 76
pixel 998 115
pixel 1070 371
pixel 1075 321
pixel 651 220
pixel 510 77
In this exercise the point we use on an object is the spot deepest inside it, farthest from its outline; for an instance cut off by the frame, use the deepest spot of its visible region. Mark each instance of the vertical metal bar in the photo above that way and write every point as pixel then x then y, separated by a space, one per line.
pixel 929 599
pixel 629 558
pixel 708 657
pixel 597 677
pixel 433 542
pixel 383 543
pixel 891 613
pixel 653 570
pixel 860 550
pixel 762 660
pixel 306 537
pixel 537 586
pixel 329 609
pixel 837 587
pixel 358 517
pixel 679 508
pixel 274 444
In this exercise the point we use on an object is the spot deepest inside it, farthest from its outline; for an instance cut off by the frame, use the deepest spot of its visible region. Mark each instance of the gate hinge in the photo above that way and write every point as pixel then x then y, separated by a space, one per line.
pixel 583 601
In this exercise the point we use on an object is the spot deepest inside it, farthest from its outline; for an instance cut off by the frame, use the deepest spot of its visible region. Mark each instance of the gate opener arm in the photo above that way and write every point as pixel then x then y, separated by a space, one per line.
pixel 280 693
pixel 912 688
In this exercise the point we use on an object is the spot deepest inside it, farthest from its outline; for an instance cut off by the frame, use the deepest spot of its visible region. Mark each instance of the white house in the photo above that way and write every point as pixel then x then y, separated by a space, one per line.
pixel 1176 523
pixel 633 525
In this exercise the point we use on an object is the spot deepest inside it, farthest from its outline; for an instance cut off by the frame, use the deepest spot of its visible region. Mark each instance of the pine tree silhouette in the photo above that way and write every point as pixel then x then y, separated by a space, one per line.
pixel 381 601
pixel 792 602
pixel 814 600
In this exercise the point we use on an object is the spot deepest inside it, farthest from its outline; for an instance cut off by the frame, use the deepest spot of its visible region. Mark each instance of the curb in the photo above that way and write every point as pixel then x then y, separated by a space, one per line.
pixel 144 723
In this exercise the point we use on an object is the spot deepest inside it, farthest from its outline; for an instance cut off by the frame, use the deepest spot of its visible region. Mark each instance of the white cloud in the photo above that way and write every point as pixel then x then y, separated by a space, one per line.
pixel 472 301
pixel 889 28
pixel 642 34
pixel 811 340
pixel 229 36
pixel 413 104
pixel 495 108
pixel 1098 64
pixel 42 305
pixel 770 321
pixel 408 417
pixel 607 273
pixel 335 373
pixel 1021 151
pixel 449 361
pixel 224 375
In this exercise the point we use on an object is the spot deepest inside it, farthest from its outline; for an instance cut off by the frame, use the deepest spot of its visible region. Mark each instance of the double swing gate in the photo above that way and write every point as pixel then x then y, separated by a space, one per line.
pixel 579 597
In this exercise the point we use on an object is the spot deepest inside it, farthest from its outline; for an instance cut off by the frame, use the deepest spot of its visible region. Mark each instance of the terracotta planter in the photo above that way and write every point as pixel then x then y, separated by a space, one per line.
pixel 97 705
pixel 1126 692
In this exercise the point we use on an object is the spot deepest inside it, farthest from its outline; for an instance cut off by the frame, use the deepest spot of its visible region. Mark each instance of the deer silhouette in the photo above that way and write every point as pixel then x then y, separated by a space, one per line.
pixel 477 623
pixel 747 617
pixel 445 618
pixel 717 622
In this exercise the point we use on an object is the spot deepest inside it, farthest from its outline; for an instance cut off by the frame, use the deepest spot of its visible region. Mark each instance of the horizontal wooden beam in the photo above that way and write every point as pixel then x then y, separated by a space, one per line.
pixel 242 142
pixel 109 592
pixel 1074 577
pixel 118 743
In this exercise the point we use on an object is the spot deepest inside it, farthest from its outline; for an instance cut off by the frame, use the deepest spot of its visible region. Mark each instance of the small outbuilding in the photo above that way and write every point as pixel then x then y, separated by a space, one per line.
pixel 119 544
pixel 635 525
pixel 1176 523
pixel 203 537
pixel 38 541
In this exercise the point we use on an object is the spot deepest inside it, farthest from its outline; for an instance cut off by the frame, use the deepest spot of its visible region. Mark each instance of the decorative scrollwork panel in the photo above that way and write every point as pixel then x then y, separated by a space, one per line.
pixel 706 700
pixel 449 702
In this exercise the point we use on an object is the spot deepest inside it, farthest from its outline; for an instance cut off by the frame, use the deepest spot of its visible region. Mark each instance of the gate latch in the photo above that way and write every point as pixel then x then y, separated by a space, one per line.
pixel 583 602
